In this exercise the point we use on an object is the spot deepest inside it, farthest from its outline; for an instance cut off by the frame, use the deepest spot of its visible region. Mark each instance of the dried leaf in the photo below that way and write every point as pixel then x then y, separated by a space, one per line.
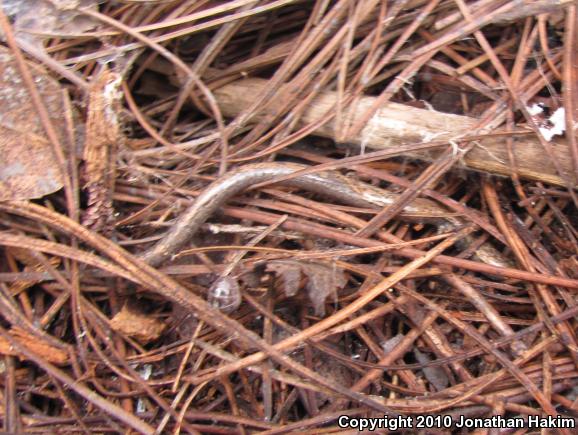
pixel 100 149
pixel 435 375
pixel 140 326
pixel 28 168
pixel 225 294
pixel 40 348
pixel 322 280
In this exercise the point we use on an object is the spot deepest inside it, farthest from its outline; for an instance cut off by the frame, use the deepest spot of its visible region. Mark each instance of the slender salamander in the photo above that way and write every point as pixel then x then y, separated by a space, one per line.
pixel 328 184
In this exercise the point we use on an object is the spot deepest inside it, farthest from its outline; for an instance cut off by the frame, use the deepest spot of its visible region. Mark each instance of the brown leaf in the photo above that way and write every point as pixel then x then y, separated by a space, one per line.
pixel 28 167
pixel 140 326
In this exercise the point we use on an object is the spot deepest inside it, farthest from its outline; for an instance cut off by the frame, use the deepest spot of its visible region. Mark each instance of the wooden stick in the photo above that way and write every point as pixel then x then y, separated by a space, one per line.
pixel 396 124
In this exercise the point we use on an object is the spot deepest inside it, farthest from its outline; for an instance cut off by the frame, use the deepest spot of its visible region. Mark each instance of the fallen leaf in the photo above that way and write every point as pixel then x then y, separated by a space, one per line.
pixel 28 168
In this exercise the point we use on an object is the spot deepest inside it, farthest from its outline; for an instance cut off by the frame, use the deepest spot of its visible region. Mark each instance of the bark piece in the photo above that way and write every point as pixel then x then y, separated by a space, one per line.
pixel 395 124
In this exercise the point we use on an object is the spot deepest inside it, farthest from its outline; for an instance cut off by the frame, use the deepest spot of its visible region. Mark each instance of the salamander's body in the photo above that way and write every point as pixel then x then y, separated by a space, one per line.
pixel 328 184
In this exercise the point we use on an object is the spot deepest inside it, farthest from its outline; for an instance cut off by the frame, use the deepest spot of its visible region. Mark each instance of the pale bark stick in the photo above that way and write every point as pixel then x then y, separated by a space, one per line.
pixel 395 124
